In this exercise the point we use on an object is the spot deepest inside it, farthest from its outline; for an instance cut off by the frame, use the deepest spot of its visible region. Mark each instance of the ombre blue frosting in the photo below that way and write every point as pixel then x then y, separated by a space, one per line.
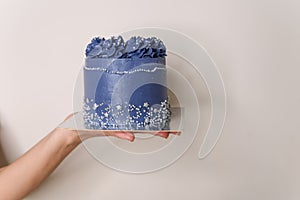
pixel 125 84
pixel 135 47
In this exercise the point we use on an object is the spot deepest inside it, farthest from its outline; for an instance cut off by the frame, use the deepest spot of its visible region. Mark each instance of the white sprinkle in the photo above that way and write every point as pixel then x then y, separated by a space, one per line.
pixel 147 120
pixel 119 107
pixel 95 106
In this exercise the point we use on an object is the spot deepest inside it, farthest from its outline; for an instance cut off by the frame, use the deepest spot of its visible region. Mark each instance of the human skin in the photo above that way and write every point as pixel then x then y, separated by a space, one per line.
pixel 26 173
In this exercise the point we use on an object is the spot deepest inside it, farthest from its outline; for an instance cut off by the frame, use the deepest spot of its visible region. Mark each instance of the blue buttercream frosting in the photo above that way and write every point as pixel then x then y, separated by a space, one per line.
pixel 135 47
pixel 102 48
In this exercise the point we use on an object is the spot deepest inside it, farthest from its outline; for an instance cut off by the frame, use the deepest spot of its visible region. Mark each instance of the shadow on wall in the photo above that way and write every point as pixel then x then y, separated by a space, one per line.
pixel 3 160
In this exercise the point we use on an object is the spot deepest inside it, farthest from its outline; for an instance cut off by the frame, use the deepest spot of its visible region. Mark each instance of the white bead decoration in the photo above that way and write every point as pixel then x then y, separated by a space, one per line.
pixel 123 72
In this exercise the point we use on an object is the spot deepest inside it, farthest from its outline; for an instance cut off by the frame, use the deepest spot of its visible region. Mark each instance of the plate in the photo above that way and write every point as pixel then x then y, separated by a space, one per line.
pixel 76 122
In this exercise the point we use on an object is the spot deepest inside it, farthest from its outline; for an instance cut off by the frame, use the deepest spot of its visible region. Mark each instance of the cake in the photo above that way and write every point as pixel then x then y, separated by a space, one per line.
pixel 125 84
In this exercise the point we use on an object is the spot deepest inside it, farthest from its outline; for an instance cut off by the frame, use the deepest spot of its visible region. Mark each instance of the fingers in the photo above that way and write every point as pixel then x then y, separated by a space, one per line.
pixel 125 135
pixel 122 135
pixel 165 134
pixel 162 134
pixel 130 136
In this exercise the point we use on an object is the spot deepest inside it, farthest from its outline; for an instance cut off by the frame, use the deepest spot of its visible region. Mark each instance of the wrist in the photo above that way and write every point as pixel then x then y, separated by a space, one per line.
pixel 69 137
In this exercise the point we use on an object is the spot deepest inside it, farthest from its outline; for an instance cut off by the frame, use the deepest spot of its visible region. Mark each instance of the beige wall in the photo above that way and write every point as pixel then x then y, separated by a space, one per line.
pixel 3 161
pixel 255 44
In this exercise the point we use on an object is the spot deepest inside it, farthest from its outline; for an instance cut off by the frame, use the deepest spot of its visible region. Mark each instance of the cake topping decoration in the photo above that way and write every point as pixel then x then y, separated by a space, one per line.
pixel 135 47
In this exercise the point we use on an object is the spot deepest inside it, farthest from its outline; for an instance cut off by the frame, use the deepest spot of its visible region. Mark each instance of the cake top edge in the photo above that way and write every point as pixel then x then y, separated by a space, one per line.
pixel 135 47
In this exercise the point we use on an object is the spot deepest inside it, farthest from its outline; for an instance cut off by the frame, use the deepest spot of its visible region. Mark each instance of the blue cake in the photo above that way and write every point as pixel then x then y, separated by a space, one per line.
pixel 125 84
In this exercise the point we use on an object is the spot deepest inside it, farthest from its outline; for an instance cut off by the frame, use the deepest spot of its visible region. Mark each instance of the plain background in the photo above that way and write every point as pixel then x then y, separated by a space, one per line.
pixel 256 45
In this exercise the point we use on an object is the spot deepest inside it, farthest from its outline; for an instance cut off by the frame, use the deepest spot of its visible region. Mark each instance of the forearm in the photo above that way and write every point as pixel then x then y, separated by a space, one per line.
pixel 26 173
